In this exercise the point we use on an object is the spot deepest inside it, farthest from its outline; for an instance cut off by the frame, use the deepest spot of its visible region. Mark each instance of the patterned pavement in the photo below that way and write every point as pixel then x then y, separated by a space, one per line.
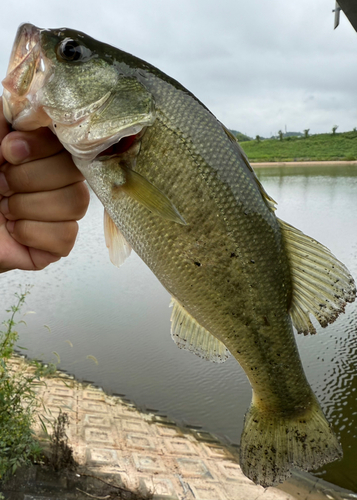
pixel 144 451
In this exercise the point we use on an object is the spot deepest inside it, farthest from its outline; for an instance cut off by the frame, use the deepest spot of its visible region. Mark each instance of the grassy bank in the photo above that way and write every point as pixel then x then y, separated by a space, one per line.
pixel 319 147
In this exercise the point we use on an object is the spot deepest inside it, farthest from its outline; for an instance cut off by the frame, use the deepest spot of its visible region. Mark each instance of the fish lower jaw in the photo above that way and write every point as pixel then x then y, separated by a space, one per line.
pixel 6 108
pixel 22 115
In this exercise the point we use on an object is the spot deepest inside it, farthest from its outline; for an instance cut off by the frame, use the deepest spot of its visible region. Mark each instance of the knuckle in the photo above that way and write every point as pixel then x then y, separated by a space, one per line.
pixel 80 199
pixel 68 238
pixel 19 178
pixel 22 232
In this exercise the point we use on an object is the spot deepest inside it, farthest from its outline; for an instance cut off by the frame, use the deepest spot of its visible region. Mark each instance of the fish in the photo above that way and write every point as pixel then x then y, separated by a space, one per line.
pixel 177 188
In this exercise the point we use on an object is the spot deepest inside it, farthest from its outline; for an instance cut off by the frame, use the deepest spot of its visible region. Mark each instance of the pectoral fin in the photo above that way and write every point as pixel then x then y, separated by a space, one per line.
pixel 190 335
pixel 119 248
pixel 150 196
pixel 321 284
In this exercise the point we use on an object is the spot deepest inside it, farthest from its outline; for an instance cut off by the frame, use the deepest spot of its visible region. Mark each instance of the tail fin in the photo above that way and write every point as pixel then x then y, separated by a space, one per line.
pixel 271 445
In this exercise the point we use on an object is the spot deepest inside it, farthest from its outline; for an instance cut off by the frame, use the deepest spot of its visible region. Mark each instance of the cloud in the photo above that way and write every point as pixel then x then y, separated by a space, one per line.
pixel 257 65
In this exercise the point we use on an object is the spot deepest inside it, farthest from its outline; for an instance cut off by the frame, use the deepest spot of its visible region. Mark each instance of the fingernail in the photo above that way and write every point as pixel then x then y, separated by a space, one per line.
pixel 19 150
pixel 4 206
pixel 10 226
pixel 4 187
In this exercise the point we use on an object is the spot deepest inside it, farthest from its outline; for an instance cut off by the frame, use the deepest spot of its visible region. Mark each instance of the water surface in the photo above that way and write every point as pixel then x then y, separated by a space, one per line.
pixel 122 318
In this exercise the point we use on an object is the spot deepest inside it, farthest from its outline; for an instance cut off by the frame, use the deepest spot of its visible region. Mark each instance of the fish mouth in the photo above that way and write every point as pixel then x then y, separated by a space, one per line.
pixel 28 69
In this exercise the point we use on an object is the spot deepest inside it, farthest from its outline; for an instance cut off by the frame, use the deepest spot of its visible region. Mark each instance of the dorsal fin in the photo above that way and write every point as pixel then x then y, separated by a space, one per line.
pixel 119 248
pixel 321 284
pixel 190 335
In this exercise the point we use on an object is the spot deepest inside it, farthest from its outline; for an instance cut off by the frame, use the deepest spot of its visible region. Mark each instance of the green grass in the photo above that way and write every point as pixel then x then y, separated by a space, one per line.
pixel 319 147
pixel 17 402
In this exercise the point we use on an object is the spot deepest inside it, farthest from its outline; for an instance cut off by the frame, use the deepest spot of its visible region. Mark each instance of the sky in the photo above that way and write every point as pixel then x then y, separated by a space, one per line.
pixel 259 65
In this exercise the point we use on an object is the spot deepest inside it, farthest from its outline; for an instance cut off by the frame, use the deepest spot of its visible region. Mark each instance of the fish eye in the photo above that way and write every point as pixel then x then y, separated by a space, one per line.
pixel 70 50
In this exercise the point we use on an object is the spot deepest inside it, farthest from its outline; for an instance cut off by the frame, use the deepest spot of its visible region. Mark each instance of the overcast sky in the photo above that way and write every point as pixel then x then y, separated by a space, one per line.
pixel 258 65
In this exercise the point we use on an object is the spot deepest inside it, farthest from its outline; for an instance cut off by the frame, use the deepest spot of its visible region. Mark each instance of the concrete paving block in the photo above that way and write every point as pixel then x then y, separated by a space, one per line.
pixel 90 420
pixel 204 436
pixel 124 411
pixel 127 481
pixel 179 446
pixel 167 431
pixel 135 425
pixel 215 451
pixel 96 457
pixel 94 406
pixel 93 395
pixel 253 492
pixel 51 383
pixel 102 436
pixel 194 468
pixel 162 419
pixel 231 471
pixel 60 402
pixel 161 488
pixel 62 392
pixel 140 442
pixel 209 491
pixel 148 463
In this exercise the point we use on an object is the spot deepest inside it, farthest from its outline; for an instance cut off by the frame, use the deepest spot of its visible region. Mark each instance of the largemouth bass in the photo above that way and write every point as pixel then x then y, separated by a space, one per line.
pixel 179 190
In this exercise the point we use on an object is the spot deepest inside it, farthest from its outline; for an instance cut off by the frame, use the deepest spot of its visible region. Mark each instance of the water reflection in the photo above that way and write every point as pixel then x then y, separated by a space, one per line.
pixel 121 316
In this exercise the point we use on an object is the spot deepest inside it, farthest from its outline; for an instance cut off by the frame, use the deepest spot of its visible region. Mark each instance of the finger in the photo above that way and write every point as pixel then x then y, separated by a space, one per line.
pixel 18 147
pixel 57 238
pixel 68 203
pixel 4 126
pixel 40 175
pixel 4 130
pixel 40 259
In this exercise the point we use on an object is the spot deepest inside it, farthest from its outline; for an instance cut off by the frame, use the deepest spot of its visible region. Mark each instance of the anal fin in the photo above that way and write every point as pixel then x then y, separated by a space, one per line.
pixel 119 248
pixel 188 334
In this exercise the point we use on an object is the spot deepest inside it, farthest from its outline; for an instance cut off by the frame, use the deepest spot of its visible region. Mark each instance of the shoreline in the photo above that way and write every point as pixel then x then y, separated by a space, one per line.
pixel 119 447
pixel 143 453
pixel 328 163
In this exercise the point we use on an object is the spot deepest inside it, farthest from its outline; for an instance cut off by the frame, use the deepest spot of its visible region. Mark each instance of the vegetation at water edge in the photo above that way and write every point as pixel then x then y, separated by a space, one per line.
pixel 17 402
pixel 319 147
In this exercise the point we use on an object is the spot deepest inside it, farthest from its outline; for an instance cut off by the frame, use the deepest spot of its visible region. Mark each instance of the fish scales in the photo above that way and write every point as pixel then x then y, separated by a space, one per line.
pixel 224 292
pixel 181 192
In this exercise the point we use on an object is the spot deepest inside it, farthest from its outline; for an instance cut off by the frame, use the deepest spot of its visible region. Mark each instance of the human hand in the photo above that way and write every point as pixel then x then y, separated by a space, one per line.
pixel 42 196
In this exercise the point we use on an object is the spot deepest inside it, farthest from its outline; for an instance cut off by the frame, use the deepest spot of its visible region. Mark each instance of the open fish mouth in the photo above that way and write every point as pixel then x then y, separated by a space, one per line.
pixel 29 101
pixel 27 71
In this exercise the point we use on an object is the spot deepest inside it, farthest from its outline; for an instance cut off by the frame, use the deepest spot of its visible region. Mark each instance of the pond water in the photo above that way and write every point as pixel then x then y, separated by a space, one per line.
pixel 84 307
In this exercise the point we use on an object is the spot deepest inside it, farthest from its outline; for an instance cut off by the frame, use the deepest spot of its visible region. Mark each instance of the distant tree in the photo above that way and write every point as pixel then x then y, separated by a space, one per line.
pixel 306 132
pixel 334 128
pixel 257 138
pixel 280 135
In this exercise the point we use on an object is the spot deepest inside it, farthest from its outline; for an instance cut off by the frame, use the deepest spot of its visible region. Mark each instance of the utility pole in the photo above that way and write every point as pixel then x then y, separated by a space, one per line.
pixel 336 10
pixel 349 7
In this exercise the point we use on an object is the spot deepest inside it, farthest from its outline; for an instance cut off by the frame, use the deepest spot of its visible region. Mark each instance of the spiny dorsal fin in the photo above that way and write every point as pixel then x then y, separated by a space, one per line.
pixel 321 284
pixel 190 335
pixel 119 248
pixel 150 196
